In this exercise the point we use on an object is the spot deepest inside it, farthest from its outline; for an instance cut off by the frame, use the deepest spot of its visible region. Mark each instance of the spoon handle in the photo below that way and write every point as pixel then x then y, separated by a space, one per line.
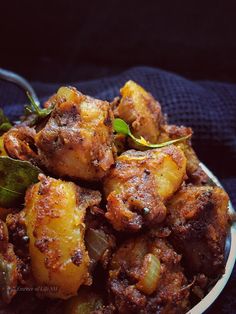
pixel 19 81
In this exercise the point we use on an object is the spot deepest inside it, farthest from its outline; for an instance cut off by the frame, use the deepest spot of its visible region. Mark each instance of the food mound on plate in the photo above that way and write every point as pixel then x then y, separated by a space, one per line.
pixel 105 209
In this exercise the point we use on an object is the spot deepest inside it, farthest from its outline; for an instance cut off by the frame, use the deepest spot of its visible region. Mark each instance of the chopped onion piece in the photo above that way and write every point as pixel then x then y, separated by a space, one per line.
pixel 96 242
pixel 150 274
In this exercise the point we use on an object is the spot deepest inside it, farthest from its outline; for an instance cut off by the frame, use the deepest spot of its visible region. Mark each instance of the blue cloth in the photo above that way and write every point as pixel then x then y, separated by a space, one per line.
pixel 208 107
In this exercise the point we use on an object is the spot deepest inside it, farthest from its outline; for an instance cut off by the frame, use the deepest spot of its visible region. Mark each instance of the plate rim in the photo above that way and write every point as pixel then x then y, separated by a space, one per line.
pixel 210 298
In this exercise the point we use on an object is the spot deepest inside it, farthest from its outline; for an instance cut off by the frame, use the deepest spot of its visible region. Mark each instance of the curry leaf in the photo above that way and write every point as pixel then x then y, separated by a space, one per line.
pixel 15 177
pixel 5 124
pixel 33 108
pixel 120 126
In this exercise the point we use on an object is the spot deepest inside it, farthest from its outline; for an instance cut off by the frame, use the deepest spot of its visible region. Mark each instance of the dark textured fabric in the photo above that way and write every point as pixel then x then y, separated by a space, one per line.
pixel 208 107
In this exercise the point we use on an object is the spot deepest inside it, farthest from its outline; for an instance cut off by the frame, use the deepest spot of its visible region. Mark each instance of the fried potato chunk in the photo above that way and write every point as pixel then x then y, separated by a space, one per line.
pixel 139 183
pixel 77 139
pixel 54 217
pixel 18 143
pixel 171 132
pixel 198 217
pixel 140 110
pixel 146 277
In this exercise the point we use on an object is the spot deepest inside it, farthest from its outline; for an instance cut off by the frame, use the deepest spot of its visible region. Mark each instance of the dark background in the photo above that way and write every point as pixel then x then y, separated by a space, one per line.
pixel 79 40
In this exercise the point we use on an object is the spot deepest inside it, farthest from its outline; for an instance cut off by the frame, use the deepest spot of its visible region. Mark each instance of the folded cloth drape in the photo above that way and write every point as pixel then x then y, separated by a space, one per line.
pixel 208 107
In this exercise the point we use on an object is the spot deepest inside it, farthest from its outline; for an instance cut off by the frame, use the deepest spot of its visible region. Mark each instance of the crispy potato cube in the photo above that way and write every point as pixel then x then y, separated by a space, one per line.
pixel 54 217
pixel 146 277
pixel 77 139
pixel 140 183
pixel 19 141
pixel 140 110
pixel 194 172
pixel 198 217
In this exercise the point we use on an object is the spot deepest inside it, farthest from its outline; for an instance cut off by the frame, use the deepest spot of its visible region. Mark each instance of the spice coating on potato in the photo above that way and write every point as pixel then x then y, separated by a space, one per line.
pixel 139 184
pixel 171 132
pixel 18 143
pixel 54 217
pixel 140 110
pixel 129 268
pixel 77 139
pixel 198 217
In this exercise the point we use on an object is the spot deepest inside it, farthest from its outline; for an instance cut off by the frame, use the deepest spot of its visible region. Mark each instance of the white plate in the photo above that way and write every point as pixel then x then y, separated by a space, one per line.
pixel 208 300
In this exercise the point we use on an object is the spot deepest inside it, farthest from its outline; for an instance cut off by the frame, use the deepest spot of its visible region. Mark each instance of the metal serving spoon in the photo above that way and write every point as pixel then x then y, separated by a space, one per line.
pixel 20 81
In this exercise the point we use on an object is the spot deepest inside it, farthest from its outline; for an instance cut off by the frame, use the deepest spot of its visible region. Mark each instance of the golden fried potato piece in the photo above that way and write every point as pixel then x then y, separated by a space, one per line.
pixel 146 277
pixel 19 143
pixel 77 139
pixel 139 184
pixel 140 110
pixel 198 217
pixel 54 217
pixel 170 132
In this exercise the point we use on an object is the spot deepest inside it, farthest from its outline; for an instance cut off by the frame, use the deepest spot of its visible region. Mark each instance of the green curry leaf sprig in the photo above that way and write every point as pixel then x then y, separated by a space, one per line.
pixel 33 108
pixel 120 126
pixel 16 177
